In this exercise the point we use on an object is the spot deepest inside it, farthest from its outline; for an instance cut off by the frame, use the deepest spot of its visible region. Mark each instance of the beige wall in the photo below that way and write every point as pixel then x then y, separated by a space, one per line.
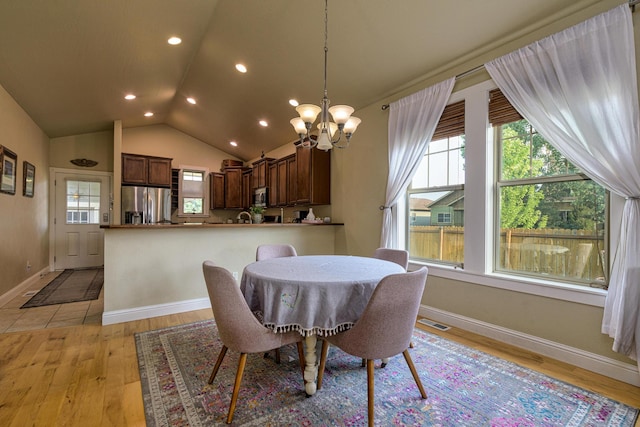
pixel 165 141
pixel 24 227
pixel 97 146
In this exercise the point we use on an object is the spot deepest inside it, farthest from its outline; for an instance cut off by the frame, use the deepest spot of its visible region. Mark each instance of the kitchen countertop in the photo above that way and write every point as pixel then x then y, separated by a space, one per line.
pixel 212 225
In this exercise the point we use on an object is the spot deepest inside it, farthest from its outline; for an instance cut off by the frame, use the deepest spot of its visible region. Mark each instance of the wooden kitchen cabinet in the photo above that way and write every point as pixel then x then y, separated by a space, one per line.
pixel 272 183
pixel 216 190
pixel 292 184
pixel 146 170
pixel 247 188
pixel 313 176
pixel 233 188
pixel 260 172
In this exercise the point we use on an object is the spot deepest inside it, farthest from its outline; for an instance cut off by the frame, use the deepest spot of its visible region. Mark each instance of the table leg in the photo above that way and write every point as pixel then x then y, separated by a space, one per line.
pixel 311 366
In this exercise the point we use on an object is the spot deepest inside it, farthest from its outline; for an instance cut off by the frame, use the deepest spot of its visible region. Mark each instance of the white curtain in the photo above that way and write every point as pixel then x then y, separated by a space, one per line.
pixel 578 88
pixel 412 121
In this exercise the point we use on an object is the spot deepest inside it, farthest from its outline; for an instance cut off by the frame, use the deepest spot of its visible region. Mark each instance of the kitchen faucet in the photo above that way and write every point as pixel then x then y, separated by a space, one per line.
pixel 239 217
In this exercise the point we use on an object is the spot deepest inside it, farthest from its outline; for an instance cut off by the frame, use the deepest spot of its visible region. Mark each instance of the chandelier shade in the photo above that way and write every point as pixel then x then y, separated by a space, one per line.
pixel 343 125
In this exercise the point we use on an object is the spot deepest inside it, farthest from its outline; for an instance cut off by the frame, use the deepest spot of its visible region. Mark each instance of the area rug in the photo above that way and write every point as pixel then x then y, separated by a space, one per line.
pixel 465 388
pixel 70 286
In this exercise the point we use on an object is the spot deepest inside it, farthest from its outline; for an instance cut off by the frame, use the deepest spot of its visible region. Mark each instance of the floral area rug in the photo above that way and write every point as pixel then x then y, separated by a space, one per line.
pixel 465 387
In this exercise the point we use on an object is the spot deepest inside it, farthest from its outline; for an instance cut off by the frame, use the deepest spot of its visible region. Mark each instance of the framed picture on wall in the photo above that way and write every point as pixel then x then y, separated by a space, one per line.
pixel 28 178
pixel 8 162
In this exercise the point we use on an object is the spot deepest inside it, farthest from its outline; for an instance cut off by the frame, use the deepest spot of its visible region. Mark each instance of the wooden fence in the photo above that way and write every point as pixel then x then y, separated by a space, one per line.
pixel 569 254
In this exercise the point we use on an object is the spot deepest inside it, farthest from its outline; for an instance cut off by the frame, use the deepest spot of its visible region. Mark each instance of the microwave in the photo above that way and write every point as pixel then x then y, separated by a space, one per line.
pixel 261 196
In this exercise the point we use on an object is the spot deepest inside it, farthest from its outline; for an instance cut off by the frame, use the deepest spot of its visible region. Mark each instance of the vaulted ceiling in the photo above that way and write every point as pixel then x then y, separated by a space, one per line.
pixel 69 63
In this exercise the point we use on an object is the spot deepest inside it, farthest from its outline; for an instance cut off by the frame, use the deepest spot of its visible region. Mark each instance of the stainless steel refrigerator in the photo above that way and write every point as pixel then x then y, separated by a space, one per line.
pixel 145 205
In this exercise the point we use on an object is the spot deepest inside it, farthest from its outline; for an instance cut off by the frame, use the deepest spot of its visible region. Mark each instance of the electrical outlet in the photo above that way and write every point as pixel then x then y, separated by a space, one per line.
pixel 235 275
pixel 28 266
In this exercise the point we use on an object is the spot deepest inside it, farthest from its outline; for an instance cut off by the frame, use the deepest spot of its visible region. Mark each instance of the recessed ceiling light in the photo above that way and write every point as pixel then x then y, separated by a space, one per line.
pixel 174 40
pixel 129 97
pixel 241 68
pixel 263 123
pixel 191 101
pixel 148 114
pixel 233 143
pixel 293 102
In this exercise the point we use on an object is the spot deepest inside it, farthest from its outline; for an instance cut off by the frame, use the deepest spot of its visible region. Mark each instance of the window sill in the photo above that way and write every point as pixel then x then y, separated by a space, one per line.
pixel 562 291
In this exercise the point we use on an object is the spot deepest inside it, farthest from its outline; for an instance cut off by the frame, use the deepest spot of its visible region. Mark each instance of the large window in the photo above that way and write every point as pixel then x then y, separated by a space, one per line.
pixel 498 190
pixel 193 192
pixel 436 195
pixel 551 219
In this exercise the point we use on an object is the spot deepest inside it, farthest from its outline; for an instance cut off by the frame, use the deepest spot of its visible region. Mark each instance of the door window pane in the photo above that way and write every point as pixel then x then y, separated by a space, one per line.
pixel 83 202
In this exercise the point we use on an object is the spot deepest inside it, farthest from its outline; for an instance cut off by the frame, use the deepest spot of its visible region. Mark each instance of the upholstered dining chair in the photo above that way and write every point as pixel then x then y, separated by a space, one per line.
pixel 274 251
pixel 238 328
pixel 384 329
pixel 399 256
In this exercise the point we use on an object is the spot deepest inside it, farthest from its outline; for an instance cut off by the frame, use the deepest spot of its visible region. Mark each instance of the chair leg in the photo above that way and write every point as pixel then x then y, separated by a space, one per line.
pixel 364 363
pixel 301 356
pixel 236 386
pixel 278 356
pixel 323 362
pixel 370 394
pixel 223 351
pixel 412 368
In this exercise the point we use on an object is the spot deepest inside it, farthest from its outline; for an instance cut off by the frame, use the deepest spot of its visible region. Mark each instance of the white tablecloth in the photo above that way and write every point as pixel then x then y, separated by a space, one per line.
pixel 319 294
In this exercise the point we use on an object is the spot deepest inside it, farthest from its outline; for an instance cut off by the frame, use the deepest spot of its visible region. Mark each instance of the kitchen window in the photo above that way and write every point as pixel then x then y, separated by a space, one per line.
pixel 193 192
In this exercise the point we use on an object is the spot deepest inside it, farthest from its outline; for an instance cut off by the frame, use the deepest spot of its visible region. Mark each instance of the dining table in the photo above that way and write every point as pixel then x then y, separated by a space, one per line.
pixel 315 295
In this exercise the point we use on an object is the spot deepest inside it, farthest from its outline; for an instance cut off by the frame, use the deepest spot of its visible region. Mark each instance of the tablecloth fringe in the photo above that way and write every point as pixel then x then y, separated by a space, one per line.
pixel 322 332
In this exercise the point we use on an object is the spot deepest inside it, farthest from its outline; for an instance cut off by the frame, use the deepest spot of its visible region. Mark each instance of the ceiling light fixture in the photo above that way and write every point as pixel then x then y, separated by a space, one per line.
pixel 344 124
pixel 233 143
pixel 129 97
pixel 148 114
pixel 241 68
pixel 174 40
pixel 191 101
pixel 293 102
pixel 263 123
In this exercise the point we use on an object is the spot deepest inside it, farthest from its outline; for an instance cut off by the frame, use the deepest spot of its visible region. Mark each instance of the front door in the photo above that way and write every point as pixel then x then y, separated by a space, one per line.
pixel 81 205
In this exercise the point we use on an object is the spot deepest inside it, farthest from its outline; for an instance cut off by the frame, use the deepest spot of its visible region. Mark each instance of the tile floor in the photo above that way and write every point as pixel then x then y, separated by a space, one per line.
pixel 13 318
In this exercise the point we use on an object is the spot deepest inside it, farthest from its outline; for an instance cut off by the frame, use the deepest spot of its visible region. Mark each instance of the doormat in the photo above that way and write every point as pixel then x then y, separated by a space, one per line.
pixel 465 387
pixel 70 286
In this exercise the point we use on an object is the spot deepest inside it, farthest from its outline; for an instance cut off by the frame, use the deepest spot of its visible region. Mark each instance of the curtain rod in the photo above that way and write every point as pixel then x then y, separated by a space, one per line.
pixel 632 5
pixel 463 74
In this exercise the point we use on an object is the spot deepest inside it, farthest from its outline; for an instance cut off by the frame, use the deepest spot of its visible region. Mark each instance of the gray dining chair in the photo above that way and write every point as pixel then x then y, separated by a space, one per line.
pixel 384 329
pixel 399 256
pixel 274 251
pixel 238 328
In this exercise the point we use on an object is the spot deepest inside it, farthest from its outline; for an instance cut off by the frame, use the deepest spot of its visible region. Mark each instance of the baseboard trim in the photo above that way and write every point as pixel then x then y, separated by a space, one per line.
pixel 583 359
pixel 17 290
pixel 145 312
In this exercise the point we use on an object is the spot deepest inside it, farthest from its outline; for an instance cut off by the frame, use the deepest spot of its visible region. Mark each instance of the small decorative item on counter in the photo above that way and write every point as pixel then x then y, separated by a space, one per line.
pixel 256 212
pixel 327 220
pixel 310 216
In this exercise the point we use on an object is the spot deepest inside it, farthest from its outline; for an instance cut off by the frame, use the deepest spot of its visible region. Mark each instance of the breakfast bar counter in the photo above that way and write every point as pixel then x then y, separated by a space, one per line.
pixel 154 270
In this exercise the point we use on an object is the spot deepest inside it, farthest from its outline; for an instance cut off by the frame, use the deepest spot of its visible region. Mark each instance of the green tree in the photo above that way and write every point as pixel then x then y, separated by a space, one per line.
pixel 519 204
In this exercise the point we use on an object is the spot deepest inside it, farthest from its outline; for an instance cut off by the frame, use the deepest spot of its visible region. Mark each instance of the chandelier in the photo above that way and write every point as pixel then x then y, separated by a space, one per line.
pixel 343 125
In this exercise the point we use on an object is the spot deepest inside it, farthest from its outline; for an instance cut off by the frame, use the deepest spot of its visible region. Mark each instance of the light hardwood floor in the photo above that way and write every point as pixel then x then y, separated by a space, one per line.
pixel 87 375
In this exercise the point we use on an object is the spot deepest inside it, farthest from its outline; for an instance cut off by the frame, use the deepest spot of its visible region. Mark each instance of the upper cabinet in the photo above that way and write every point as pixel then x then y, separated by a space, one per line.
pixel 260 171
pixel 313 176
pixel 146 170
